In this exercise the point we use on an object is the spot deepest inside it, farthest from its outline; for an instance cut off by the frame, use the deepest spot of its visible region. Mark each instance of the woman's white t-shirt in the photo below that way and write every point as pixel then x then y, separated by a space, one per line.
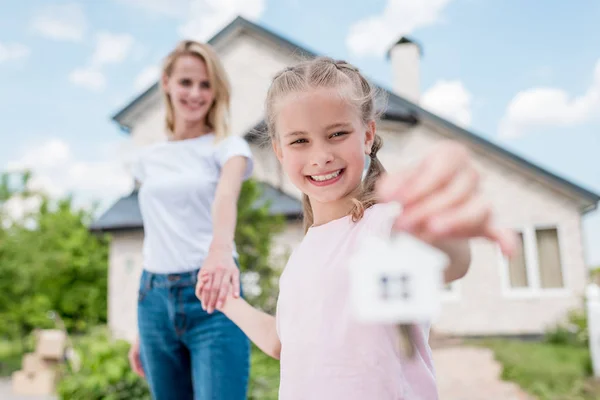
pixel 178 181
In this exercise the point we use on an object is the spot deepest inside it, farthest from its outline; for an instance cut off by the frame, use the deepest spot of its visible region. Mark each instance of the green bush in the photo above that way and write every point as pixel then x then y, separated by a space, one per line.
pixel 105 373
pixel 253 237
pixel 264 376
pixel 573 332
pixel 11 354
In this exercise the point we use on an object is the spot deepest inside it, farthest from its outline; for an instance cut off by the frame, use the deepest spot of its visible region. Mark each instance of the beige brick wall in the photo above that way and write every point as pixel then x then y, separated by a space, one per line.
pixel 125 267
pixel 482 302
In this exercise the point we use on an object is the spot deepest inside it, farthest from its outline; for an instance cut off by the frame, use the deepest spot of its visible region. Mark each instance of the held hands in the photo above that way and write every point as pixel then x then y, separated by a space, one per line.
pixel 218 277
pixel 222 306
pixel 441 199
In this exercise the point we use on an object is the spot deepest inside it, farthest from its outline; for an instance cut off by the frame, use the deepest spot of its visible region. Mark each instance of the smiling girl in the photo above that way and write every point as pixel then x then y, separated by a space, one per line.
pixel 321 122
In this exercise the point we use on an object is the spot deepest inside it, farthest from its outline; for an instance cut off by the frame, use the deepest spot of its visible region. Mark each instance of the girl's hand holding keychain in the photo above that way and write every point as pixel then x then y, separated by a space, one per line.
pixel 400 280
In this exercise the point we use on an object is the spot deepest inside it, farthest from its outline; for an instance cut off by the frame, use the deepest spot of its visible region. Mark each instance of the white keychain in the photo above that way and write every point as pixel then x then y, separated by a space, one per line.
pixel 397 281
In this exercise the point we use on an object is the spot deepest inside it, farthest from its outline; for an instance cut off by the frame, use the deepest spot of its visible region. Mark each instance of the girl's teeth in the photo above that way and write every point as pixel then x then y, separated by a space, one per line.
pixel 321 178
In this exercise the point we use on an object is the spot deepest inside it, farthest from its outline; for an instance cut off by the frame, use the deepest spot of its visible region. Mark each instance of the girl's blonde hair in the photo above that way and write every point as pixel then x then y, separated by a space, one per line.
pixel 218 115
pixel 324 72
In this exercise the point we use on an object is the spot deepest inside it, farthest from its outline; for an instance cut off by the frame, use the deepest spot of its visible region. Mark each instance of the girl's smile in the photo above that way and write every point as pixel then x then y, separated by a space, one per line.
pixel 325 179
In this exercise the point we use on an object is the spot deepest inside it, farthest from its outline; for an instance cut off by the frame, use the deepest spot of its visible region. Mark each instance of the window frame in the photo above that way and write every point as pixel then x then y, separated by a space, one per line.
pixel 530 249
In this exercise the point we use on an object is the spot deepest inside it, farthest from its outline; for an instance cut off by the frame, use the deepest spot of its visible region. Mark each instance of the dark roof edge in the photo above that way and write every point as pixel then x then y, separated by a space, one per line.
pixel 116 228
pixel 404 40
pixel 118 117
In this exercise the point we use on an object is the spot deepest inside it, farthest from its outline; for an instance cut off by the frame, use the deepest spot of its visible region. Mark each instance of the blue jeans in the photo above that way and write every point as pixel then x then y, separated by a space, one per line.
pixel 186 353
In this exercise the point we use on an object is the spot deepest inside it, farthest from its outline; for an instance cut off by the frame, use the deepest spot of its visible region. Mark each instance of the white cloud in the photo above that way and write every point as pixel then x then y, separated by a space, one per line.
pixel 111 48
pixel 206 17
pixel 451 100
pixel 53 153
pixel 57 172
pixel 88 78
pixel 549 107
pixel 171 8
pixel 202 18
pixel 146 77
pixel 13 51
pixel 60 22
pixel 373 35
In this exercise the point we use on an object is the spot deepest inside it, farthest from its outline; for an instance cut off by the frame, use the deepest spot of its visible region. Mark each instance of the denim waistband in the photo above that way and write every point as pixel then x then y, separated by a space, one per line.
pixel 179 279
pixel 152 279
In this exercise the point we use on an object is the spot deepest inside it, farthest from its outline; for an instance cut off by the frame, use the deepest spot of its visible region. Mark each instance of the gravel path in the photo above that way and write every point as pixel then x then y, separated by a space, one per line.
pixel 469 373
pixel 7 394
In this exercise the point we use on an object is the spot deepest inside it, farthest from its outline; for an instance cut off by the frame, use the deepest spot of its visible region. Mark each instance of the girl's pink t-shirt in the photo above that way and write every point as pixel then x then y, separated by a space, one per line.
pixel 325 353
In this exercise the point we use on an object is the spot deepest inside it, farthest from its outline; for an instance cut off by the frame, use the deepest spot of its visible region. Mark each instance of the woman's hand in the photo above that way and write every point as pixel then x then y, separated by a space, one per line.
pixel 218 276
pixel 134 358
pixel 441 200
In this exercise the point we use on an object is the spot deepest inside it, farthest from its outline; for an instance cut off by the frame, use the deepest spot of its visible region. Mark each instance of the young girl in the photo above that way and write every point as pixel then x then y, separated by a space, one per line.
pixel 320 116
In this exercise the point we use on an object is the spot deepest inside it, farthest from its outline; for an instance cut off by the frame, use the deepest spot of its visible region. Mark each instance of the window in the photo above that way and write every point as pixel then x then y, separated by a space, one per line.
pixel 538 266
pixel 517 268
pixel 548 255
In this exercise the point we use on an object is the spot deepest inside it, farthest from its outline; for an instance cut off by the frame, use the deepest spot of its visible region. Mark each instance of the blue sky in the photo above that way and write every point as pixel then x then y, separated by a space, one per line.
pixel 523 74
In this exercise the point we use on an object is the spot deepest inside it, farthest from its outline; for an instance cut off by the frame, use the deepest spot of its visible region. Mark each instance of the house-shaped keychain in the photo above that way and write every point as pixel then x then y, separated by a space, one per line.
pixel 396 281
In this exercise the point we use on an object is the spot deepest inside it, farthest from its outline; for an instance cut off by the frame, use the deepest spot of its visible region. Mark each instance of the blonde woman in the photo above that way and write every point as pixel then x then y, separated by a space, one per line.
pixel 189 188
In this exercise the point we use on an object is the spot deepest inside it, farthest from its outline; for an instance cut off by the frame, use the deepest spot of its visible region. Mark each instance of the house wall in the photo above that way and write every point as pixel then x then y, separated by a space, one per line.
pixel 482 303
pixel 125 268
pixel 251 65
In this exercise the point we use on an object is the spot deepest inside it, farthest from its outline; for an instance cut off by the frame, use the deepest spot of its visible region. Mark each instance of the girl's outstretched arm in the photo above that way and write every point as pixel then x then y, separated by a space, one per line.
pixel 257 325
pixel 459 252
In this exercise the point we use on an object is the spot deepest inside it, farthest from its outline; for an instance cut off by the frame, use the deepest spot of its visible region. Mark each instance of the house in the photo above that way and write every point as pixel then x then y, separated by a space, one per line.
pixel 521 297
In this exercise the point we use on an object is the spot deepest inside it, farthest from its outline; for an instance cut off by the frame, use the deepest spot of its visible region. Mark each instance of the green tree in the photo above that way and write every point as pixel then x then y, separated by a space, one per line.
pixel 254 238
pixel 49 261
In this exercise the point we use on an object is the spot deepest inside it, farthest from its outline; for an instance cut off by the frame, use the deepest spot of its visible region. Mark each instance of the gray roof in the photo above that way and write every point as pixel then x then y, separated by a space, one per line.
pixel 122 215
pixel 395 108
pixel 125 213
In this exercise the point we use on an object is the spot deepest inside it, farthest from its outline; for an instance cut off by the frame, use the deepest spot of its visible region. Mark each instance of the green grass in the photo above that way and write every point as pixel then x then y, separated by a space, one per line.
pixel 548 371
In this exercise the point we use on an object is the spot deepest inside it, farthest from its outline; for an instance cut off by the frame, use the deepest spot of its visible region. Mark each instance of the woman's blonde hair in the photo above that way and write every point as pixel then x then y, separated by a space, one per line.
pixel 217 118
pixel 324 72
